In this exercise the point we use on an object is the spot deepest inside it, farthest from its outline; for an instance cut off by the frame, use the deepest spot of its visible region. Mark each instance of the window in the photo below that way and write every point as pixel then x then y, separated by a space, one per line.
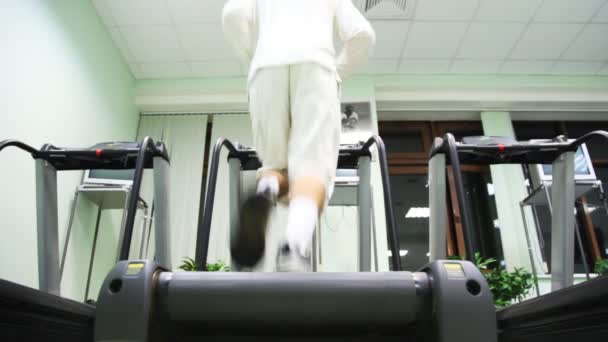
pixel 408 145
pixel 482 209
pixel 411 207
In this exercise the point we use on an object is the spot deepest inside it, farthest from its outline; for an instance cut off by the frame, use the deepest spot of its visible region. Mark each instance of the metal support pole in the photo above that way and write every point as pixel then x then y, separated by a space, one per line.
pixel 314 249
pixel 374 236
pixel 234 198
pixel 162 219
pixel 465 213
pixel 121 234
pixel 150 222
pixel 579 243
pixel 234 193
pixel 144 232
pixel 562 222
pixel 364 207
pixel 69 232
pixel 47 224
pixel 93 249
pixel 529 245
pixel 438 208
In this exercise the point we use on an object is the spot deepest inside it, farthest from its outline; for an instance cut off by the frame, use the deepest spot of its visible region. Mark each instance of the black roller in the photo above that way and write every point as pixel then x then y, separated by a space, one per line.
pixel 141 302
pixel 371 301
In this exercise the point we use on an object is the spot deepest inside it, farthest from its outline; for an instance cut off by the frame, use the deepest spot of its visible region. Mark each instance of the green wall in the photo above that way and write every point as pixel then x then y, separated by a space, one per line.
pixel 64 82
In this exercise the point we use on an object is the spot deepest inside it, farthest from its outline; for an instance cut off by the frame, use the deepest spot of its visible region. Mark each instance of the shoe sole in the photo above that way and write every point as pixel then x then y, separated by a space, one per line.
pixel 249 244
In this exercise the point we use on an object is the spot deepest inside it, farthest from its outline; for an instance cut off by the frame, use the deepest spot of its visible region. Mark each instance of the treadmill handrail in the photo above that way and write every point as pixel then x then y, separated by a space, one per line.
pixel 581 140
pixel 448 146
pixel 16 143
pixel 147 149
pixel 147 143
pixel 388 200
pixel 556 146
pixel 87 158
pixel 205 211
pixel 206 206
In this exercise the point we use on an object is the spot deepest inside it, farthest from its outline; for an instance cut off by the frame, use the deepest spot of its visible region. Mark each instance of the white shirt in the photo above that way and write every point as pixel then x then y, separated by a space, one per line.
pixel 268 33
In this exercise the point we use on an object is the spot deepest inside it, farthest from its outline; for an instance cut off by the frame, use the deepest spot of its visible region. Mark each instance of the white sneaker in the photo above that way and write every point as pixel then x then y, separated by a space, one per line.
pixel 290 261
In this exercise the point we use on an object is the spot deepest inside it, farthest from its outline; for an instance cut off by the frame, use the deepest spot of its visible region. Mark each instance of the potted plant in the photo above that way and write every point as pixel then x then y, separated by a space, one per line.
pixel 505 286
pixel 189 265
pixel 601 267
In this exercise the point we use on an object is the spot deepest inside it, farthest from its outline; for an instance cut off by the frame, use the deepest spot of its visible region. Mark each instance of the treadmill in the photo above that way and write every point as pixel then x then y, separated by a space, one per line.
pixel 142 300
pixel 28 314
pixel 578 312
pixel 355 157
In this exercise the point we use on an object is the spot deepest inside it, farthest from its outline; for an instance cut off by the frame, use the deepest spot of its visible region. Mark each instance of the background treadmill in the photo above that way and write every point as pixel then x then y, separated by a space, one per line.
pixel 28 314
pixel 574 313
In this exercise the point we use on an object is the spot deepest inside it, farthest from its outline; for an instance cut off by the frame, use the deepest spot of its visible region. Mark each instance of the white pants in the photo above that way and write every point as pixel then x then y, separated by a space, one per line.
pixel 296 122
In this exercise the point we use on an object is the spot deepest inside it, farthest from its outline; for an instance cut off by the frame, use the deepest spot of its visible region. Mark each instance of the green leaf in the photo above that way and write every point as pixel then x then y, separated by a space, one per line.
pixel 505 286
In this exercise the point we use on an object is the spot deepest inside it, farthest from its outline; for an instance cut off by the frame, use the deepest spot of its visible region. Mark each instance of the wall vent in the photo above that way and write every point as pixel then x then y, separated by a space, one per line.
pixel 386 9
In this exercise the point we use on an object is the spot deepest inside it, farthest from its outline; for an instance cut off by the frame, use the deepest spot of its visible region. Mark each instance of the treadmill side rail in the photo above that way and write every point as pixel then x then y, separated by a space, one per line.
pixel 124 307
pixel 462 303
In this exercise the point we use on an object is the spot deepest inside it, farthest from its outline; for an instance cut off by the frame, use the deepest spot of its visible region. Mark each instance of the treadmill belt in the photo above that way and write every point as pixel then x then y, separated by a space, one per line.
pixel 576 313
pixel 27 314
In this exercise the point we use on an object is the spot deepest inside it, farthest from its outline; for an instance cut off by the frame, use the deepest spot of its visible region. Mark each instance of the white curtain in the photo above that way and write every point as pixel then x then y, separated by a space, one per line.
pixel 237 128
pixel 185 137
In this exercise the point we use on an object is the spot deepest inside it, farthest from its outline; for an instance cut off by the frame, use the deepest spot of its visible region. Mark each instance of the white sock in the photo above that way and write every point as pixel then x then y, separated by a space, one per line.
pixel 301 223
pixel 268 183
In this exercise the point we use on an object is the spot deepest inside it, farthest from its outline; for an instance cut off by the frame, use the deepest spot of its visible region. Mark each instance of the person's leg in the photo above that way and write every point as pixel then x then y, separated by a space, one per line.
pixel 313 150
pixel 270 121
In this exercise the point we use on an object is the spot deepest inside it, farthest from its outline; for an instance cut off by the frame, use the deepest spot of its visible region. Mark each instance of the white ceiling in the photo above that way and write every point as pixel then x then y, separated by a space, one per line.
pixel 183 38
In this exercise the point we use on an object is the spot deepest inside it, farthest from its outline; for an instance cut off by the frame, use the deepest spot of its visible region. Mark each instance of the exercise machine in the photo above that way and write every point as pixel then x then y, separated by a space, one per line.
pixel 355 157
pixel 569 313
pixel 143 301
pixel 503 150
pixel 446 301
pixel 118 155
pixel 106 194
pixel 575 313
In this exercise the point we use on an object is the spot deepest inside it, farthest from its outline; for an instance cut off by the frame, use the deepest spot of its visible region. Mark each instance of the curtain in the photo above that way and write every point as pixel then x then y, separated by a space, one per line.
pixel 185 137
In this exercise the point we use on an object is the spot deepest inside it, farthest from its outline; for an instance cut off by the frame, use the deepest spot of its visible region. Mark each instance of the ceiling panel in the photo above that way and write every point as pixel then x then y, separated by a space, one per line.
pixel 526 67
pixel 424 66
pixel 122 44
pixel 591 44
pixel 204 41
pixel 390 37
pixel 135 70
pixel 196 11
pixel 183 38
pixel 165 70
pixel 563 11
pixel 576 68
pixel 489 40
pixel 445 9
pixel 153 43
pixel 379 66
pixel 545 41
pixel 602 15
pixel 139 12
pixel 104 11
pixel 507 10
pixel 475 67
pixel 434 39
pixel 216 68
